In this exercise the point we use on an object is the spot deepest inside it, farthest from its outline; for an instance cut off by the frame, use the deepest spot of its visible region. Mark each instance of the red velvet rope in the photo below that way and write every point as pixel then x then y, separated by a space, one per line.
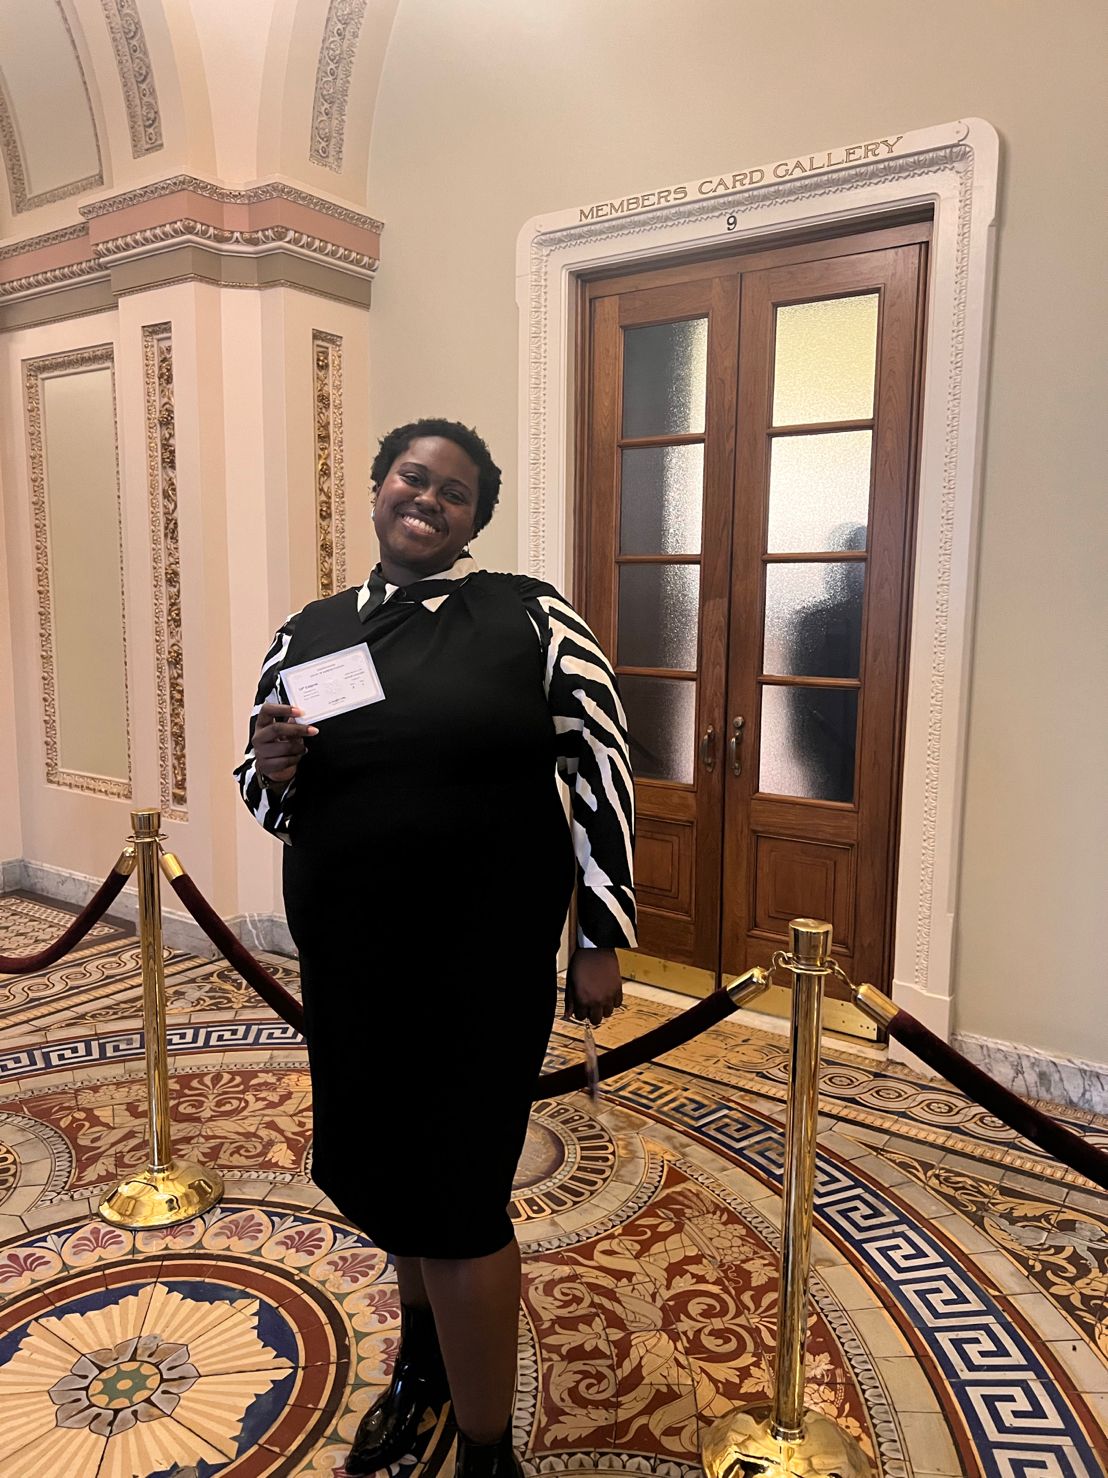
pixel 272 992
pixel 1034 1125
pixel 1087 1159
pixel 93 911
pixel 673 1033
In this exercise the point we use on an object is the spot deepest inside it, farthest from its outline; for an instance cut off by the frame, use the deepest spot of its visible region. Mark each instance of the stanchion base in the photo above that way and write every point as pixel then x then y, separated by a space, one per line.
pixel 161 1198
pixel 742 1443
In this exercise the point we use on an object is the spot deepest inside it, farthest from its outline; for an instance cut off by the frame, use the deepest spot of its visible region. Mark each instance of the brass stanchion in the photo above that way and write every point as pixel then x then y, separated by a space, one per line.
pixel 168 1190
pixel 784 1439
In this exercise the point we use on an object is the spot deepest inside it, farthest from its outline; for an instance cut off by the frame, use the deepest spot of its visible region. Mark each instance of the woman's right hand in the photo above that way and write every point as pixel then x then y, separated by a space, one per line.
pixel 279 741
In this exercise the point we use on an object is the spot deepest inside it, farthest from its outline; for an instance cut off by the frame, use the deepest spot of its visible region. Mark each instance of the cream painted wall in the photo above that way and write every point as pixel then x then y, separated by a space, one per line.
pixel 488 114
pixel 11 819
pixel 79 831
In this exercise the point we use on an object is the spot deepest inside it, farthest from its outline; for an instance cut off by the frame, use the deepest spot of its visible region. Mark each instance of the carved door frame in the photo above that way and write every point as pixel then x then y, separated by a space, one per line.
pixel 954 170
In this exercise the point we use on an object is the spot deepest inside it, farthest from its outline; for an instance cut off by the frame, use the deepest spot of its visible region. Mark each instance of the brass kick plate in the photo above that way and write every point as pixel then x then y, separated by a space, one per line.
pixel 842 1017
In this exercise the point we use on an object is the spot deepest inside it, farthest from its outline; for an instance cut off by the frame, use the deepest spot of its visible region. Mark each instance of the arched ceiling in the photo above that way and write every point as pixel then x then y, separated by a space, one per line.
pixel 103 96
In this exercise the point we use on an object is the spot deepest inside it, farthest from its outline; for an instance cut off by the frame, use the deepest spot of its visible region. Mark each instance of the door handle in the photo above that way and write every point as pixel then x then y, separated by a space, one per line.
pixel 708 748
pixel 737 726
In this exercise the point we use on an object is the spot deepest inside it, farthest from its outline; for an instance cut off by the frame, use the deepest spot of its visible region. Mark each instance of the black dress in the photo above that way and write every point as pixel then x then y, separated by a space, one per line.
pixel 427 878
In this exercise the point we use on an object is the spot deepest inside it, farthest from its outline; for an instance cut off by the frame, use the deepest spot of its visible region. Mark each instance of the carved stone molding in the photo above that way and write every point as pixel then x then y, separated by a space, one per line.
pixel 186 229
pixel 40 243
pixel 330 485
pixel 118 248
pixel 332 81
pixel 12 148
pixel 954 169
pixel 165 561
pixel 99 356
pixel 136 76
pixel 224 195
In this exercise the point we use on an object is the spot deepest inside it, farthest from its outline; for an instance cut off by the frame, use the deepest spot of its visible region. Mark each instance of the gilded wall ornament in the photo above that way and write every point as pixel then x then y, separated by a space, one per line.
pixel 330 488
pixel 165 560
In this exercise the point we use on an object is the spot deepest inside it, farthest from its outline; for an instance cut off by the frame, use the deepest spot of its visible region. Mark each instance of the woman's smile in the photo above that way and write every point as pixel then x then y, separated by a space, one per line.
pixel 425 509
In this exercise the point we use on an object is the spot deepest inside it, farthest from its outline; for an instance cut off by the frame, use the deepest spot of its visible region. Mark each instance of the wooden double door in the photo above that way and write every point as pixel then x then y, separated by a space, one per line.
pixel 744 554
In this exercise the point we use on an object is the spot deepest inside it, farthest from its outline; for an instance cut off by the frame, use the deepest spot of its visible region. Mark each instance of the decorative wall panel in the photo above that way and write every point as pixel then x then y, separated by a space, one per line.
pixel 69 404
pixel 330 488
pixel 332 81
pixel 136 76
pixel 165 561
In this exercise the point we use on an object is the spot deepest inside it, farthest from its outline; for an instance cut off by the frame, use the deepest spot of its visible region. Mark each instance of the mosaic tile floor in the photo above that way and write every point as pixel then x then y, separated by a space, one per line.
pixel 960 1292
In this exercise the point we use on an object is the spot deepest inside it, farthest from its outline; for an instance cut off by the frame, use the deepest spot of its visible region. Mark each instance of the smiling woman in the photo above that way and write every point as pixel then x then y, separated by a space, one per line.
pixel 427 874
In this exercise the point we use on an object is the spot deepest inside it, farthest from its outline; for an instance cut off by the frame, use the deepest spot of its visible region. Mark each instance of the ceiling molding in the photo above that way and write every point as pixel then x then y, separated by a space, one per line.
pixel 12 149
pixel 332 81
pixel 136 76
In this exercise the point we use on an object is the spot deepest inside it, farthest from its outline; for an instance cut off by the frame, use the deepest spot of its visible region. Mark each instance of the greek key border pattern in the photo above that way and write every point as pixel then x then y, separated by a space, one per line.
pixel 98 356
pixel 1012 1410
pixel 165 560
pixel 13 150
pixel 332 81
pixel 330 478
pixel 136 76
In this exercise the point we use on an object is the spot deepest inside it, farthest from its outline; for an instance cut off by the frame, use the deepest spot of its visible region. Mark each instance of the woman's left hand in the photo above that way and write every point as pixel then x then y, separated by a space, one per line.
pixel 594 986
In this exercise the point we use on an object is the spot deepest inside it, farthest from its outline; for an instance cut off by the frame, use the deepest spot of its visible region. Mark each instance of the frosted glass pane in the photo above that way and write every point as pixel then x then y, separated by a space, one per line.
pixel 658 611
pixel 819 492
pixel 824 361
pixel 807 742
pixel 665 375
pixel 814 619
pixel 661 494
pixel 661 722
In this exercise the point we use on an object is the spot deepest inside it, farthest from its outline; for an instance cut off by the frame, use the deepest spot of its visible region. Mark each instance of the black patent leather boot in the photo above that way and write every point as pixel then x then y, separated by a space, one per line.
pixel 487 1459
pixel 388 1429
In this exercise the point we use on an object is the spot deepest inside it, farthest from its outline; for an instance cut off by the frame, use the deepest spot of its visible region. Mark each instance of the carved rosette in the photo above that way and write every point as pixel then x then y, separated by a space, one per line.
pixel 330 488
pixel 165 560
pixel 100 356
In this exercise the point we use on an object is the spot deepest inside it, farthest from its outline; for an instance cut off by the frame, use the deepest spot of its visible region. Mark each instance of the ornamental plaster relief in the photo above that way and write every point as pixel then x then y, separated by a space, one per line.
pixel 136 76
pixel 332 81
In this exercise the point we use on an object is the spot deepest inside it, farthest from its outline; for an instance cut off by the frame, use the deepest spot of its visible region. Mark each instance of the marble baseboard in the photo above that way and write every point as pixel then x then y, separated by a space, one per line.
pixel 267 932
pixel 1039 1075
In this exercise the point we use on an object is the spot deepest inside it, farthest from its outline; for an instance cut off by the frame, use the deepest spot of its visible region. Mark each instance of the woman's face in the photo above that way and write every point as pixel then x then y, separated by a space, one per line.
pixel 426 507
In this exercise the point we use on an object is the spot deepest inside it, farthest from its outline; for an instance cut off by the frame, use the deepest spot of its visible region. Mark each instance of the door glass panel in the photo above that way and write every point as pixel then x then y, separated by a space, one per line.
pixel 665 375
pixel 824 361
pixel 818 491
pixel 808 741
pixel 814 619
pixel 658 609
pixel 661 722
pixel 661 493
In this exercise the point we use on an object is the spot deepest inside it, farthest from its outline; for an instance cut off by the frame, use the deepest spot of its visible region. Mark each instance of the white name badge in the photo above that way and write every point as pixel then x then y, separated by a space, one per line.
pixel 337 683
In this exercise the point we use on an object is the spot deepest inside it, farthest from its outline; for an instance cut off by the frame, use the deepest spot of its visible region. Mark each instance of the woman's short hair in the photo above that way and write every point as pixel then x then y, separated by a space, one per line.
pixel 397 442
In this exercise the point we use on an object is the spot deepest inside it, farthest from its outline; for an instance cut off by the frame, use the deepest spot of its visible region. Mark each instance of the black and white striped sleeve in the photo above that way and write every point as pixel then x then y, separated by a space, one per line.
pixel 270 806
pixel 594 762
